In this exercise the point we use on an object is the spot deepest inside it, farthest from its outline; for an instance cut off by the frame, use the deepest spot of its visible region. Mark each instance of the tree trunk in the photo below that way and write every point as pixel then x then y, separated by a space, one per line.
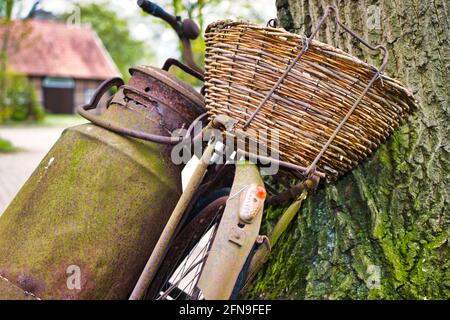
pixel 382 231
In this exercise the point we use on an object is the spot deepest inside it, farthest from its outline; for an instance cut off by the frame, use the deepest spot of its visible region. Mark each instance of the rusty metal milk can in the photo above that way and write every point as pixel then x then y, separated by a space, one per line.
pixel 96 204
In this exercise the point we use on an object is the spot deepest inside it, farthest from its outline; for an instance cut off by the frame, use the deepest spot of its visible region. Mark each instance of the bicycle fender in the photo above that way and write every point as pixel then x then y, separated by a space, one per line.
pixel 234 238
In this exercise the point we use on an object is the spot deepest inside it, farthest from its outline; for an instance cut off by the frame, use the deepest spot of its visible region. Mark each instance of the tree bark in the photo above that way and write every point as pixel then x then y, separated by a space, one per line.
pixel 381 231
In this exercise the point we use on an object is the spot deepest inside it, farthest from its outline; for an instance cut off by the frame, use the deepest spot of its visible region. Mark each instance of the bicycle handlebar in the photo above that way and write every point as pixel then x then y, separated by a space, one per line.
pixel 186 30
pixel 154 9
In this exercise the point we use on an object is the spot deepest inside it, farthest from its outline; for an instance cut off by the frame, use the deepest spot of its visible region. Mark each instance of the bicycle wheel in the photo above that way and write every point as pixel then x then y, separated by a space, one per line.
pixel 180 270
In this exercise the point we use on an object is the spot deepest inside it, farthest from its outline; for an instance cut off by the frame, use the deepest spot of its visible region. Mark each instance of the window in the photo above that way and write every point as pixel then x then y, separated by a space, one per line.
pixel 63 83
pixel 87 94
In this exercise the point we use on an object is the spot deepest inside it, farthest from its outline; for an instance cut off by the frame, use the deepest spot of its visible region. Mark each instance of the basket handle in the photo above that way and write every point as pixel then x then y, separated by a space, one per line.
pixel 378 74
pixel 349 30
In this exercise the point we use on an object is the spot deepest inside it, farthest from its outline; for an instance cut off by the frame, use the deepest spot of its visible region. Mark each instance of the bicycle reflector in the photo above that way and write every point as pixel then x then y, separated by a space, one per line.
pixel 251 202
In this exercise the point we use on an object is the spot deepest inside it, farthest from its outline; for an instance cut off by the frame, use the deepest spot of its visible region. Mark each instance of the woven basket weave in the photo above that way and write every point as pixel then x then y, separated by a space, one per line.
pixel 244 61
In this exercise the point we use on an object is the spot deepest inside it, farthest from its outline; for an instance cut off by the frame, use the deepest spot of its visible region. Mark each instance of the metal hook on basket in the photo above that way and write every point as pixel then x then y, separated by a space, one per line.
pixel 379 75
pixel 306 43
pixel 272 23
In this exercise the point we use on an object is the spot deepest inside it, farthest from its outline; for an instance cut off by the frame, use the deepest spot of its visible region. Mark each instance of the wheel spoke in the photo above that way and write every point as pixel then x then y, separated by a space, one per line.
pixel 192 263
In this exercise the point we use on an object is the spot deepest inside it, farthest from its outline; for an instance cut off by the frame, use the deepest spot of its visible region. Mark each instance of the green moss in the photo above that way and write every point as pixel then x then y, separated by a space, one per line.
pixel 101 200
pixel 364 221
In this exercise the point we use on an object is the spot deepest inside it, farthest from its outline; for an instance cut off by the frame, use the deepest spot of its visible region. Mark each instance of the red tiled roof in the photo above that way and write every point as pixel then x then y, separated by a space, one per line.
pixel 49 48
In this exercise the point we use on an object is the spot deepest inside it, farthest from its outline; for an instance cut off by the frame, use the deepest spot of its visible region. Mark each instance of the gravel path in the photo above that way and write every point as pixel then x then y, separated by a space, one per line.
pixel 15 168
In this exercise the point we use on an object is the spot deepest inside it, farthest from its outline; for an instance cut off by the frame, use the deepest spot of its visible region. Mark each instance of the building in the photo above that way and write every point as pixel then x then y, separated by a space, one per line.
pixel 64 62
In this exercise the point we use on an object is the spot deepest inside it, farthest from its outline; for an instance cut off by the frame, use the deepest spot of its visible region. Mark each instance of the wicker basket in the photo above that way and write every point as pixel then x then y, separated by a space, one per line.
pixel 244 61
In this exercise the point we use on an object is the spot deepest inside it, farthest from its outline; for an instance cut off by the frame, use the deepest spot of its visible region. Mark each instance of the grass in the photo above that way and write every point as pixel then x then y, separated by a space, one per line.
pixel 62 120
pixel 6 146
pixel 51 120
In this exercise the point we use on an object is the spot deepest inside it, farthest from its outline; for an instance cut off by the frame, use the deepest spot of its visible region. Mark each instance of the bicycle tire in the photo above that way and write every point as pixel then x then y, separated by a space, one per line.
pixel 181 249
